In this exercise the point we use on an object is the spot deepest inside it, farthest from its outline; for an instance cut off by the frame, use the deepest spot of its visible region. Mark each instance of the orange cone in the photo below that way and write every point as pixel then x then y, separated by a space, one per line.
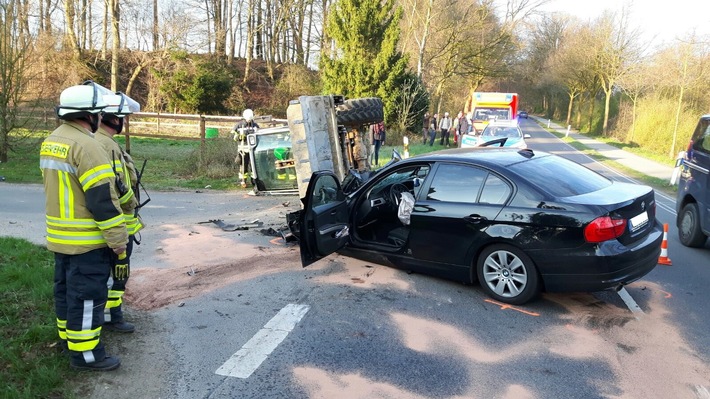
pixel 664 259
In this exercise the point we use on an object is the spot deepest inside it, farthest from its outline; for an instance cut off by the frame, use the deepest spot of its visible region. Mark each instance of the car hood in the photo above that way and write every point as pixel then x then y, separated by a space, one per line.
pixel 509 142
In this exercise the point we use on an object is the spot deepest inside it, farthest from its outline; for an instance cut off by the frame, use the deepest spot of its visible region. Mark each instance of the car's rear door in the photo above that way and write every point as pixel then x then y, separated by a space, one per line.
pixel 324 226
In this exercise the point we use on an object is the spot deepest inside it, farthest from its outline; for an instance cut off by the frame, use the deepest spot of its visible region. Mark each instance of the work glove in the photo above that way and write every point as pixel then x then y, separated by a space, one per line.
pixel 121 269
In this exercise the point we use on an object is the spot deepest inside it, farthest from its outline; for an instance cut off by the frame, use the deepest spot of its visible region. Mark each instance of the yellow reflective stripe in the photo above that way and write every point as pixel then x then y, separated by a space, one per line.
pixel 133 224
pixel 114 299
pixel 75 237
pixel 61 328
pixel 127 176
pixel 126 197
pixel 84 340
pixel 84 334
pixel 96 174
pixel 66 195
pixel 71 223
pixel 113 222
pixel 117 164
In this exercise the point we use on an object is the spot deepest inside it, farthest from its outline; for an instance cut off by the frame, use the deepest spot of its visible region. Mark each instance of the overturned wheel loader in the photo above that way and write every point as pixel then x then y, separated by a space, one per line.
pixel 330 133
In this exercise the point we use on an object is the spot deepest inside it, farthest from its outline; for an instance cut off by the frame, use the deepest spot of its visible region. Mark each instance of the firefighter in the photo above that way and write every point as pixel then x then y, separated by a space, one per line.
pixel 123 167
pixel 240 132
pixel 85 225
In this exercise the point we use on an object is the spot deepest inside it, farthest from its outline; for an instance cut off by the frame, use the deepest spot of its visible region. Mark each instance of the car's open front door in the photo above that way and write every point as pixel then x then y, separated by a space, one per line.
pixel 324 219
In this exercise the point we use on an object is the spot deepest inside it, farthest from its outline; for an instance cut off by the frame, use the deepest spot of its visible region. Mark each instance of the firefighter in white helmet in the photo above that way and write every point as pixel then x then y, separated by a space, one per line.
pixel 85 225
pixel 124 168
pixel 240 132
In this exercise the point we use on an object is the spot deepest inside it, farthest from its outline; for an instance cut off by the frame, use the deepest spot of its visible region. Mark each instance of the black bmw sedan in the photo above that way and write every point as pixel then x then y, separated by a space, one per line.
pixel 517 221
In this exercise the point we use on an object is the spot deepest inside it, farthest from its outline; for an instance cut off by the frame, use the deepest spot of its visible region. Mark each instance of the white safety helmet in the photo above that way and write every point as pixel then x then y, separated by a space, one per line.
pixel 120 105
pixel 79 101
pixel 248 115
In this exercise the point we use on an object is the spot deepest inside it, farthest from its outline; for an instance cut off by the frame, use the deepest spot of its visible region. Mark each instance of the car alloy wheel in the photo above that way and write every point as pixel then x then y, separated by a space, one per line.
pixel 689 231
pixel 507 274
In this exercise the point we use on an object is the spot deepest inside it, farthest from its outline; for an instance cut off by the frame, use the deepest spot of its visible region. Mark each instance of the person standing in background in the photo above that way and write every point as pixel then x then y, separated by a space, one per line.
pixel 425 128
pixel 433 125
pixel 377 138
pixel 445 126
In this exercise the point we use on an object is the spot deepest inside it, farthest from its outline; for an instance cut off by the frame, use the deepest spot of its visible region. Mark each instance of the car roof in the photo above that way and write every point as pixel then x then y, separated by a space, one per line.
pixel 498 156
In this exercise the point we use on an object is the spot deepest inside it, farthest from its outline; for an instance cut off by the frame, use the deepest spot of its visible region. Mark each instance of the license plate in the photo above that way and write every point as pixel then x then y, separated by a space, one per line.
pixel 639 221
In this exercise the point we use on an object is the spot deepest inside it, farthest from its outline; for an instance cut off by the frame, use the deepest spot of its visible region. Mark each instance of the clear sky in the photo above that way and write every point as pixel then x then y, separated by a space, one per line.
pixel 660 21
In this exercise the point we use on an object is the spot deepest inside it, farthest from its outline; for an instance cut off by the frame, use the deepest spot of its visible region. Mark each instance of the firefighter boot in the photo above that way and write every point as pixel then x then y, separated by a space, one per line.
pixel 109 363
pixel 120 326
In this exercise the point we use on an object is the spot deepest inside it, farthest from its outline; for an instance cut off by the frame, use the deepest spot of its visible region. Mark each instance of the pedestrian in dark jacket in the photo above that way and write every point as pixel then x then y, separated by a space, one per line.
pixel 433 125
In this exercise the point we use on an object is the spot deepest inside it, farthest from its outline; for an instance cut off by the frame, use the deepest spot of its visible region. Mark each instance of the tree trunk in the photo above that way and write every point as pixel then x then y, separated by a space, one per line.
pixel 156 37
pixel 572 95
pixel 607 101
pixel 104 25
pixel 116 43
pixel 83 23
pixel 70 35
pixel 250 39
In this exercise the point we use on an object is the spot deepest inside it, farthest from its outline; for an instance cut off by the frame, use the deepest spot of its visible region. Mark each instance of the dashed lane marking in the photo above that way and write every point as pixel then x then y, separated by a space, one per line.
pixel 629 301
pixel 247 359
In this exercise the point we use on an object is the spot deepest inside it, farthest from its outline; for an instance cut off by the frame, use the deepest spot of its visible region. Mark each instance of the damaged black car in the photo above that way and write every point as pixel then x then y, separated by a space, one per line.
pixel 520 222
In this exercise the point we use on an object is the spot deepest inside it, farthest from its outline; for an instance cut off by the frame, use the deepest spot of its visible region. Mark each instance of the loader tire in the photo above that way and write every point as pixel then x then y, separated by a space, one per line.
pixel 360 111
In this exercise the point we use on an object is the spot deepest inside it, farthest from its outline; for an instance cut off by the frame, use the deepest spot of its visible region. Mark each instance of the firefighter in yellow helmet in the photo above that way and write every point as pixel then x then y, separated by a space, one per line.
pixel 85 225
pixel 124 168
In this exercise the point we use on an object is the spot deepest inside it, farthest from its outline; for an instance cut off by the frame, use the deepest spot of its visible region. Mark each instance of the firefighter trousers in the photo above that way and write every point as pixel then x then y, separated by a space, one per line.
pixel 79 298
pixel 116 288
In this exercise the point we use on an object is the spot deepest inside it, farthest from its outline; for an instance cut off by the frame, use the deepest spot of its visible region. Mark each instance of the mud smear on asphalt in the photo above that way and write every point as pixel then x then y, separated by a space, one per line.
pixel 646 353
pixel 151 288
pixel 649 356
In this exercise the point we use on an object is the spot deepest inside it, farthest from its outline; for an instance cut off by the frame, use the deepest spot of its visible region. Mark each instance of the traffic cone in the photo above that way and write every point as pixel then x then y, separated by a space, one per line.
pixel 664 259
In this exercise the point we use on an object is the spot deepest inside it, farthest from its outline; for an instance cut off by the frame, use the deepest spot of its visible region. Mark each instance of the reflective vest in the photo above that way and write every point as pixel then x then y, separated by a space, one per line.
pixel 128 200
pixel 82 208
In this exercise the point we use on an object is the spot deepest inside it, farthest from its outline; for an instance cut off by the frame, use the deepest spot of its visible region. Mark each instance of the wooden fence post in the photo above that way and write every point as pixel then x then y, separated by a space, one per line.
pixel 127 132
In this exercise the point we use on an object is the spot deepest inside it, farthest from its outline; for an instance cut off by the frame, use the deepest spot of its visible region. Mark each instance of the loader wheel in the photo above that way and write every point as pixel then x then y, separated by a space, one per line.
pixel 360 111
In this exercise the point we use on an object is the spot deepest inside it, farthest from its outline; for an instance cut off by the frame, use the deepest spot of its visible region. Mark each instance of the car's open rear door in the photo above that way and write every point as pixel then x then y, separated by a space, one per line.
pixel 324 219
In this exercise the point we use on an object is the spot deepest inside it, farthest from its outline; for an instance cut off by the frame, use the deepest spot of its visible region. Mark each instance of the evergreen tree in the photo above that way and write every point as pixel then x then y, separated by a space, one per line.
pixel 364 61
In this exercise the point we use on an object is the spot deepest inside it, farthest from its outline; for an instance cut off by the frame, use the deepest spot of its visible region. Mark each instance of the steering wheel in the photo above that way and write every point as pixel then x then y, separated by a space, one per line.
pixel 396 191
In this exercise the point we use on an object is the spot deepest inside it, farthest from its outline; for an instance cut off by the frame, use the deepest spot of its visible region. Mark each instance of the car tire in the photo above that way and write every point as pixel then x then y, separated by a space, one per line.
pixel 360 111
pixel 507 274
pixel 689 231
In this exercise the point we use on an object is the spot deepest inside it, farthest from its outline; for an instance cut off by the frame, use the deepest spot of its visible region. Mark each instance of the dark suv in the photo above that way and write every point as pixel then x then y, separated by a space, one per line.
pixel 693 202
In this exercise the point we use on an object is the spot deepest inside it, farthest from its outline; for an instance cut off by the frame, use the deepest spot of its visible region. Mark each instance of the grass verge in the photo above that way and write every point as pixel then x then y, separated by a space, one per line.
pixel 31 365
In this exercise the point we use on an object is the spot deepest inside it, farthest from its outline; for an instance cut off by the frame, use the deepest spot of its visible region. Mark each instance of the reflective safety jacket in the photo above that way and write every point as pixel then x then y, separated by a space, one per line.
pixel 128 200
pixel 82 209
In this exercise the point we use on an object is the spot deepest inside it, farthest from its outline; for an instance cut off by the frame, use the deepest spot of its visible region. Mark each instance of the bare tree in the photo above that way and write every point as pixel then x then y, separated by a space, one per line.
pixel 70 38
pixel 617 51
pixel 115 42
pixel 15 59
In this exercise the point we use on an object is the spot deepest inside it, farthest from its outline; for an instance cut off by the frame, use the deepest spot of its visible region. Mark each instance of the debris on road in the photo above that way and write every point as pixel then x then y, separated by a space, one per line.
pixel 234 227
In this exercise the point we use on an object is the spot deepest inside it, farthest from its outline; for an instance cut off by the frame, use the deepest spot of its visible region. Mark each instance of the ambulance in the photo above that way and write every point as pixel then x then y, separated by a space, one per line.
pixel 492 106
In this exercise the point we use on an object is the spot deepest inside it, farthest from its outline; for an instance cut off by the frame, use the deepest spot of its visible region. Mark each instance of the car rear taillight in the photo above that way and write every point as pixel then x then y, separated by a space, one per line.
pixel 604 228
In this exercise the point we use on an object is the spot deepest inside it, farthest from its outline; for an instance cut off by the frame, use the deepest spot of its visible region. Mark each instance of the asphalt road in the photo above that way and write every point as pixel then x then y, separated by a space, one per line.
pixel 266 328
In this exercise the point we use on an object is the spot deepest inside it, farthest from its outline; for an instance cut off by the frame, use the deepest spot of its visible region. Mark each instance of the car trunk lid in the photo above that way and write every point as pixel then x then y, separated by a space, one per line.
pixel 632 202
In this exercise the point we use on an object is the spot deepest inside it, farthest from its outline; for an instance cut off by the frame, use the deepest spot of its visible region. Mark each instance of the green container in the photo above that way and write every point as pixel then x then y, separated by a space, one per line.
pixel 211 132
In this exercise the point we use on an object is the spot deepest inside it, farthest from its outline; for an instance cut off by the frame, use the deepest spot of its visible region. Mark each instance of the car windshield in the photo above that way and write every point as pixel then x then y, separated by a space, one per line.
pixel 560 177
pixel 501 131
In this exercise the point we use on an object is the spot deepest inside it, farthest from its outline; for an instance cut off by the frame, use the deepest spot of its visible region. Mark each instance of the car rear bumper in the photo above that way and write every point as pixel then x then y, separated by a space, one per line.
pixel 611 265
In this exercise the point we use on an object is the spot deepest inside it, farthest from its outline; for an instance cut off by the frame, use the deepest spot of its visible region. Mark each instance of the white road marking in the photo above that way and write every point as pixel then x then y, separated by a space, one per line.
pixel 629 301
pixel 702 392
pixel 247 359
